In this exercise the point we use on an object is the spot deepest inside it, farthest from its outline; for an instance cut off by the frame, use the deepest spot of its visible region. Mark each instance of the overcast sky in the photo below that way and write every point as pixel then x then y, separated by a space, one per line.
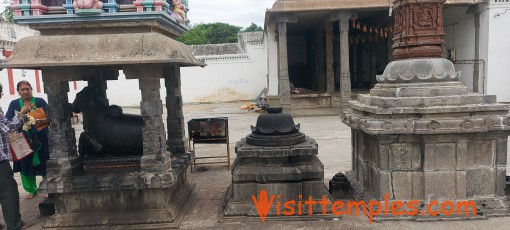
pixel 235 12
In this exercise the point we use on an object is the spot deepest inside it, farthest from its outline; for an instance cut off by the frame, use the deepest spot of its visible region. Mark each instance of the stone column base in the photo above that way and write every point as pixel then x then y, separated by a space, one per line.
pixel 463 171
pixel 122 198
pixel 485 206
pixel 288 173
pixel 246 210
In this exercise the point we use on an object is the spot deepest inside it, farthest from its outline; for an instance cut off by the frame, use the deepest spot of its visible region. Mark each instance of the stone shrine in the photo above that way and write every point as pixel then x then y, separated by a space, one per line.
pixel 153 193
pixel 419 134
pixel 278 158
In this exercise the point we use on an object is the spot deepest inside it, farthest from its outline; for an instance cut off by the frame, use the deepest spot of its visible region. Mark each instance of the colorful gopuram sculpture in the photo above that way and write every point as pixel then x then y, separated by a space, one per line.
pixel 179 10
pixel 176 8
pixel 87 4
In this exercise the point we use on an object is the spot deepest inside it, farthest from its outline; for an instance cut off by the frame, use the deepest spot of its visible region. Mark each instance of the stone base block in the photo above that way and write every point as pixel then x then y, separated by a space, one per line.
pixel 273 170
pixel 121 199
pixel 463 209
pixel 47 207
pixel 246 210
pixel 123 209
pixel 243 192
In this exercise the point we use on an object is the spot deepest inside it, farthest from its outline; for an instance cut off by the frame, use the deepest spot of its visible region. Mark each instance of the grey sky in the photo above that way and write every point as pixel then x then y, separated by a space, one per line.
pixel 235 12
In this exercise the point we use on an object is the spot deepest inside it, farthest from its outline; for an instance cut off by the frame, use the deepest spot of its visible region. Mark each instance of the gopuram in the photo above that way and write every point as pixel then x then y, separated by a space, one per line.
pixel 419 134
pixel 276 160
pixel 90 40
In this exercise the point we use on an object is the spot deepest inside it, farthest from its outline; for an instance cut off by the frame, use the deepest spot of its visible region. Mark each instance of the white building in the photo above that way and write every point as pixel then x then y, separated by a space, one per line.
pixel 305 40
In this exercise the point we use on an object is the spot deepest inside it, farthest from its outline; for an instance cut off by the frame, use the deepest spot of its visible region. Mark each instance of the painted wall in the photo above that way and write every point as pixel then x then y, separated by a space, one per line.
pixel 460 36
pixel 230 75
pixel 272 58
pixel 495 20
pixel 226 77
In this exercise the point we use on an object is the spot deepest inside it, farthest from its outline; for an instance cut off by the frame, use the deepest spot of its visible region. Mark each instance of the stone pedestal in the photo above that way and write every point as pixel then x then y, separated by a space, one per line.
pixel 283 164
pixel 421 136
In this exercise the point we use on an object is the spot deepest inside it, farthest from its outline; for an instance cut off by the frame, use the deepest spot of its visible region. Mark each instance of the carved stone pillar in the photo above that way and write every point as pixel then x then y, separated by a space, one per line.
pixel 283 66
pixel 330 71
pixel 64 160
pixel 419 135
pixel 345 74
pixel 177 141
pixel 419 29
pixel 155 157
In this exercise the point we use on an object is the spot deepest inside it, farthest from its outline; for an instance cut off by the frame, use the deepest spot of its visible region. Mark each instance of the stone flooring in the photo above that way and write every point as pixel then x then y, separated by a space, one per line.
pixel 324 125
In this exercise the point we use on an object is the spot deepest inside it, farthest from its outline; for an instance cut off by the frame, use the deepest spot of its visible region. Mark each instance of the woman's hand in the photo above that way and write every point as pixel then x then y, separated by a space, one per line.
pixel 26 108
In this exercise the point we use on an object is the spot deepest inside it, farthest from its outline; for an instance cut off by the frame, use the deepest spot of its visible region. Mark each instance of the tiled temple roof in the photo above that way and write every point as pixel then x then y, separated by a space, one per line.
pixel 312 5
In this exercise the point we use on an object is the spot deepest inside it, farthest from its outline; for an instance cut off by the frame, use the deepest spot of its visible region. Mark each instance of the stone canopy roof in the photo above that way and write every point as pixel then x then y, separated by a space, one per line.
pixel 99 50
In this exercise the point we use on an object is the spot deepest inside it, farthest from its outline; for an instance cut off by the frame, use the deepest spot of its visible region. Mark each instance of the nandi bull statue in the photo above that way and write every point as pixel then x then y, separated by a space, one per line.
pixel 107 131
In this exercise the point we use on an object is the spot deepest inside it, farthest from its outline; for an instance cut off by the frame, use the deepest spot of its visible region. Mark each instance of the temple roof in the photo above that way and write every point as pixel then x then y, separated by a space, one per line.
pixel 99 50
pixel 313 5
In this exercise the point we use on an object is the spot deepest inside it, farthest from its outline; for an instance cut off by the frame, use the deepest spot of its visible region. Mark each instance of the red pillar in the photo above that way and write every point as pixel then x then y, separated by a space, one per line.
pixel 11 81
pixel 37 81
pixel 10 76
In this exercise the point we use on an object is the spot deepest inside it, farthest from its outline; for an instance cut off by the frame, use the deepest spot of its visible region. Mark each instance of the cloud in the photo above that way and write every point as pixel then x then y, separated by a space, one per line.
pixel 236 12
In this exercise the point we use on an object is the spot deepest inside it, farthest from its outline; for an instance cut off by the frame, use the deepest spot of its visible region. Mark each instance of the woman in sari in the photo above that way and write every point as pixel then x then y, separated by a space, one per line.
pixel 35 164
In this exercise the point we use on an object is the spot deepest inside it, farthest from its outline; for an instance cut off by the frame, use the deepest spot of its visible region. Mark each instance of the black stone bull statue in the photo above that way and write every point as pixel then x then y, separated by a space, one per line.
pixel 107 131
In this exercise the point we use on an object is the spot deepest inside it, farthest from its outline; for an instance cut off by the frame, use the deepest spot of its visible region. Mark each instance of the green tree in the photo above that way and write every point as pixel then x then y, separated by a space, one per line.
pixel 210 33
pixel 7 14
pixel 253 28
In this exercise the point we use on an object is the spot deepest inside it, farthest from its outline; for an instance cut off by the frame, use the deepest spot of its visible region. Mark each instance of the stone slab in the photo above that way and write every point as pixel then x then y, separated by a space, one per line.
pixel 307 148
pixel 99 50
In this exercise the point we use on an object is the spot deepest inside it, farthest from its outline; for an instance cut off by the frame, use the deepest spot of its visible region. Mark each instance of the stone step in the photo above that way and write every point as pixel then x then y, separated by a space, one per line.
pixel 405 102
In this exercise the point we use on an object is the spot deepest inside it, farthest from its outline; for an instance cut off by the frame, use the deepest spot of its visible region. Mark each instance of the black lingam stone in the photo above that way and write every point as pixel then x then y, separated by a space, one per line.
pixel 275 128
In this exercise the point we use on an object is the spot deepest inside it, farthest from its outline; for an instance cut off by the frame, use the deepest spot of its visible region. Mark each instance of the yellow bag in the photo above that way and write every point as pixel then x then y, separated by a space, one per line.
pixel 39 115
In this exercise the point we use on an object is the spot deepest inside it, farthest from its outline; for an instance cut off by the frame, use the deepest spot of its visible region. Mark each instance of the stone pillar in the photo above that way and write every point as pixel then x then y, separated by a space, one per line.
pixel 155 157
pixel 345 74
pixel 419 135
pixel 177 141
pixel 64 160
pixel 283 67
pixel 330 71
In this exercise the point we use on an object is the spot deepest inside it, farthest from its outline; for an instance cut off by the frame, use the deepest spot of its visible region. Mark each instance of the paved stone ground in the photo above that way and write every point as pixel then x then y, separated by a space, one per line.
pixel 333 137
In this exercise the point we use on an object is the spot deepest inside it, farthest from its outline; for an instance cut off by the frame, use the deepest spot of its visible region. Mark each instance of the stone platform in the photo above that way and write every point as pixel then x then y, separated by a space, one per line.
pixel 421 136
pixel 277 161
pixel 122 198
